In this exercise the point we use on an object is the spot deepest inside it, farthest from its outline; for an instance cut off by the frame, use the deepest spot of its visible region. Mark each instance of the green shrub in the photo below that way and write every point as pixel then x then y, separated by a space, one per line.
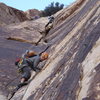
pixel 52 9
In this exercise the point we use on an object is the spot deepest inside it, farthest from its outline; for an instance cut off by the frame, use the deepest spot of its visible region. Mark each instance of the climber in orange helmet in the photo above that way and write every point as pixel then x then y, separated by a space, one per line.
pixel 30 60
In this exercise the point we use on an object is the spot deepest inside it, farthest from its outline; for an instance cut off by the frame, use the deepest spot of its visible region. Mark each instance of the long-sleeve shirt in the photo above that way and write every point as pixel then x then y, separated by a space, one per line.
pixel 34 61
pixel 30 62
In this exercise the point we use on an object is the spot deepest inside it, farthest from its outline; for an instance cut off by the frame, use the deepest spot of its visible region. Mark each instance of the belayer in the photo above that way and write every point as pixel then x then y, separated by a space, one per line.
pixel 29 61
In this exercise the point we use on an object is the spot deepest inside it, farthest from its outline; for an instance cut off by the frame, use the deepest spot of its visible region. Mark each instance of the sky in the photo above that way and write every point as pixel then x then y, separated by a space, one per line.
pixel 33 4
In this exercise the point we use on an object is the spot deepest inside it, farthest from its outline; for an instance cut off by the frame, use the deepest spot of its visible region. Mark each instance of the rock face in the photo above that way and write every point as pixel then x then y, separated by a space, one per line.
pixel 73 69
pixel 27 31
pixel 10 15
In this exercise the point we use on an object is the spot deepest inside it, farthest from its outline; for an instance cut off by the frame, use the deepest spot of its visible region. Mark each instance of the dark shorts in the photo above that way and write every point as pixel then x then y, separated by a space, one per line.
pixel 26 73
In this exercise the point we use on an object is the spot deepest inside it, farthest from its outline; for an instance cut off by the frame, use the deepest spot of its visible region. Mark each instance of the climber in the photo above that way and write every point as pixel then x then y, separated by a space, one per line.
pixel 30 60
pixel 48 27
pixel 51 19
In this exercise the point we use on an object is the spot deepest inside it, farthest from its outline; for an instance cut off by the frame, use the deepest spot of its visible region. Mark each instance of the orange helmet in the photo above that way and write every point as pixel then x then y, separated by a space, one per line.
pixel 31 53
pixel 44 55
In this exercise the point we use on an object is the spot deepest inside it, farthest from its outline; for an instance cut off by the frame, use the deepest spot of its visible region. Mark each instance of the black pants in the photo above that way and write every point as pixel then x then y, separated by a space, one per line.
pixel 26 73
